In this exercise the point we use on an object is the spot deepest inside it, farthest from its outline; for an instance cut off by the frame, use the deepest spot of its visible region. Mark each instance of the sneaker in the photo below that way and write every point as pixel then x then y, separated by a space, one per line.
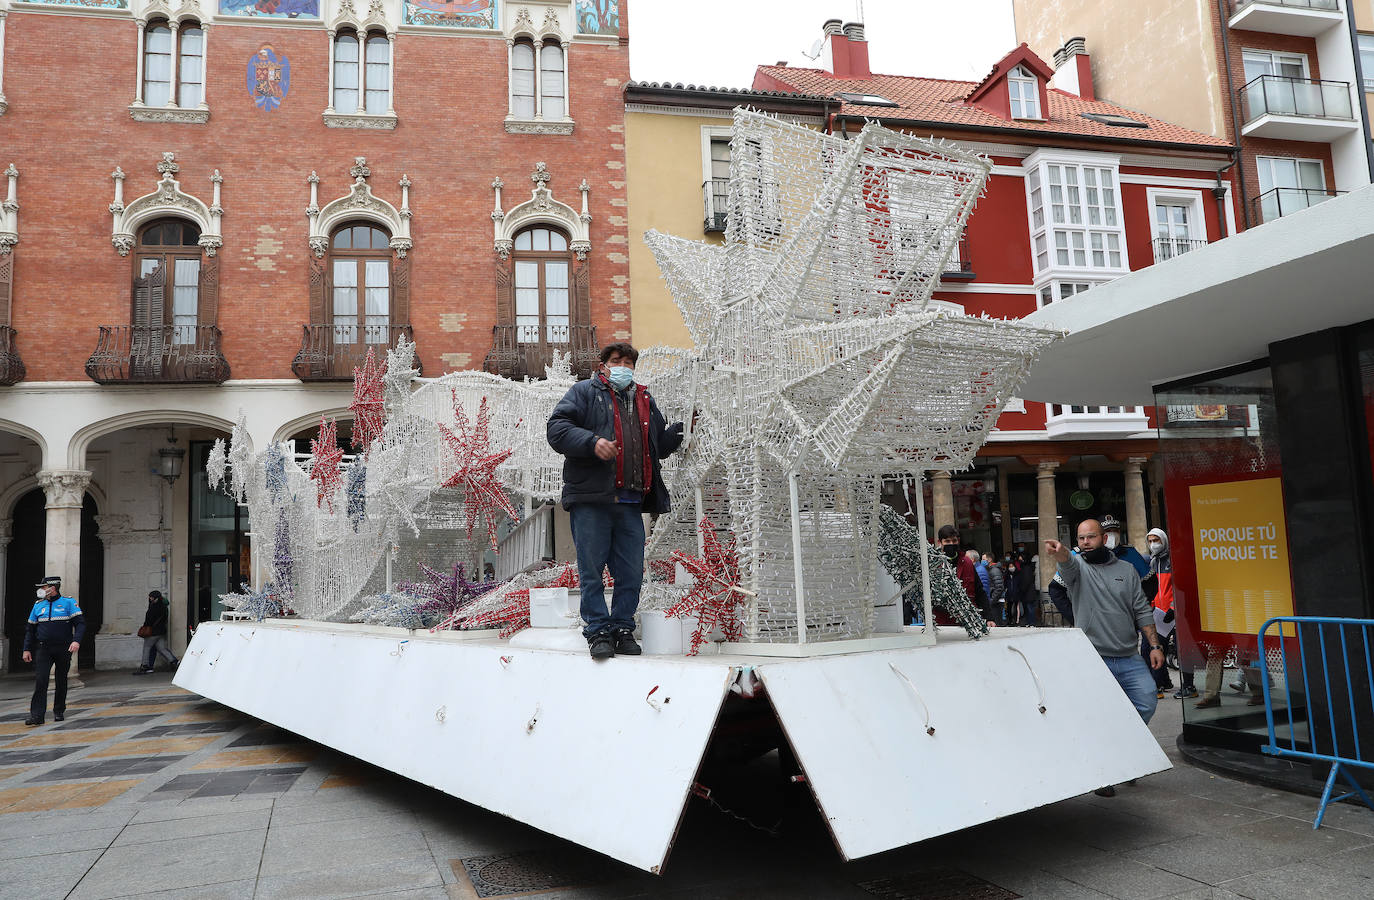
pixel 142 672
pixel 1185 693
pixel 32 721
pixel 601 646
pixel 1207 703
pixel 1107 791
pixel 625 644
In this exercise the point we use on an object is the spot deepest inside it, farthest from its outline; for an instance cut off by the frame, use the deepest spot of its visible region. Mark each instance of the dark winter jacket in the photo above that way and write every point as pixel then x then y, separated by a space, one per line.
pixel 586 413
pixel 156 618
pixel 54 622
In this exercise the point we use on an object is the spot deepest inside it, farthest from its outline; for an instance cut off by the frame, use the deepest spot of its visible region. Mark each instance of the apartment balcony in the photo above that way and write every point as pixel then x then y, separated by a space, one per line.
pixel 11 366
pixel 331 352
pixel 1169 248
pixel 1297 109
pixel 1283 201
pixel 522 351
pixel 1303 18
pixel 158 354
pixel 714 194
pixel 1094 421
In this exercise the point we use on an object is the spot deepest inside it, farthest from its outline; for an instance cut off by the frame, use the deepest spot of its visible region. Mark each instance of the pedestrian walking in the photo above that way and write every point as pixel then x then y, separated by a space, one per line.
pixel 1110 608
pixel 1159 589
pixel 54 632
pixel 997 594
pixel 154 634
pixel 612 437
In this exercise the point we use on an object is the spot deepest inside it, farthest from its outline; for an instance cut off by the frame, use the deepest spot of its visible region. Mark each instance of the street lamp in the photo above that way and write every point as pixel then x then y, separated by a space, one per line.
pixel 170 459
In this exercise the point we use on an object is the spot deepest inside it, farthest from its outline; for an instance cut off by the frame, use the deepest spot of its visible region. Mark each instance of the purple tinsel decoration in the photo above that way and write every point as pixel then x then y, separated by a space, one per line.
pixel 276 472
pixel 281 557
pixel 356 491
pixel 442 594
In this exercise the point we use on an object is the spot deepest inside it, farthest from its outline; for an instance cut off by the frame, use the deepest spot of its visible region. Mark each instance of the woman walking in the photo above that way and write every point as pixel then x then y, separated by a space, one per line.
pixel 154 634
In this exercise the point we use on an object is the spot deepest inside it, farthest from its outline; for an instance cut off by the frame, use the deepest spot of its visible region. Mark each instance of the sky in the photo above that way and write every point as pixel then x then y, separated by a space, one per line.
pixel 719 42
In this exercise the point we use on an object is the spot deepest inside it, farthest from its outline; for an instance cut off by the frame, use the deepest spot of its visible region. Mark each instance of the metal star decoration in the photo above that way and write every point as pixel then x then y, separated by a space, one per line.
pixel 216 464
pixel 443 595
pixel 324 470
pixel 475 468
pixel 368 406
pixel 508 605
pixel 715 595
pixel 258 605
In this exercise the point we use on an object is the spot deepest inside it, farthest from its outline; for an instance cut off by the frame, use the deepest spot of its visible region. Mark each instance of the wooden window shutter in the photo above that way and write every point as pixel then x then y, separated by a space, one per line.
pixel 207 312
pixel 400 291
pixel 582 292
pixel 505 291
pixel 6 286
pixel 150 295
pixel 317 291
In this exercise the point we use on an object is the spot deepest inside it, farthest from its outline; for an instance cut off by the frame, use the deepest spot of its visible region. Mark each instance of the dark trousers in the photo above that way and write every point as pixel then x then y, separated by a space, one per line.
pixel 1161 675
pixel 608 536
pixel 44 658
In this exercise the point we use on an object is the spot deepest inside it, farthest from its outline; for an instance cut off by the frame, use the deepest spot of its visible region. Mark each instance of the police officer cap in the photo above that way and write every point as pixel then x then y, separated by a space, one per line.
pixel 54 580
pixel 1109 522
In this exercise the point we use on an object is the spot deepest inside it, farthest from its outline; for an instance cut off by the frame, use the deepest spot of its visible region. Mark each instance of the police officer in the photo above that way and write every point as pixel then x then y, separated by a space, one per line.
pixel 54 633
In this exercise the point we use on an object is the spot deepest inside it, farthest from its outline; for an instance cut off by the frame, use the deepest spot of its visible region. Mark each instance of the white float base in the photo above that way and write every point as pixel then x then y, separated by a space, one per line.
pixel 897 745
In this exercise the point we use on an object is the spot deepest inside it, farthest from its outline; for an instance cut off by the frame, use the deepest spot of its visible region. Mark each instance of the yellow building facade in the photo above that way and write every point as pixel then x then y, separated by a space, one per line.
pixel 676 159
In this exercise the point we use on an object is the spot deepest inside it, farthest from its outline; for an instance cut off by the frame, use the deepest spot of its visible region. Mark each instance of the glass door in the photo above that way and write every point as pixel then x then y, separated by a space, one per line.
pixel 211 577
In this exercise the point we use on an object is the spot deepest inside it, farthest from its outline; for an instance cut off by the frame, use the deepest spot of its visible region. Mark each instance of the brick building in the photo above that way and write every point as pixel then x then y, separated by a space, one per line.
pixel 216 207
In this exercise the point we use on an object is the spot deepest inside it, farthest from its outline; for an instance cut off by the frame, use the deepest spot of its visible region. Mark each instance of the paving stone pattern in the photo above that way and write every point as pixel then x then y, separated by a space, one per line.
pixel 179 797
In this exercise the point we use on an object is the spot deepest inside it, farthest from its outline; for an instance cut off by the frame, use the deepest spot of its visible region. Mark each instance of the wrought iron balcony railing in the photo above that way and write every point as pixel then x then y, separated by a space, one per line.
pixel 158 354
pixel 1282 201
pixel 523 351
pixel 331 352
pixel 11 366
pixel 1280 95
pixel 714 194
pixel 1168 248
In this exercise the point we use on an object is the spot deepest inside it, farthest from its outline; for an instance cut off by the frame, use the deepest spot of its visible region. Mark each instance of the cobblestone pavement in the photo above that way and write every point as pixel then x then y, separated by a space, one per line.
pixel 149 791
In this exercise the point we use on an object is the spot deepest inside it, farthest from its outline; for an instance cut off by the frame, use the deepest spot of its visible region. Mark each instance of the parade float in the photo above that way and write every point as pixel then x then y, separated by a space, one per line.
pixel 821 370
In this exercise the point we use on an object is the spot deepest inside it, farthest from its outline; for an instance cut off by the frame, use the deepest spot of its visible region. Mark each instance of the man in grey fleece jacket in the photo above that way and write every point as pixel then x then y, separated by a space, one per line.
pixel 1110 608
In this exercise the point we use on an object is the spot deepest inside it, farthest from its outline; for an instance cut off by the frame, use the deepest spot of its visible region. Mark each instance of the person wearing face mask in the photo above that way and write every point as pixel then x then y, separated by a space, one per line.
pixel 1110 608
pixel 948 536
pixel 1159 590
pixel 53 634
pixel 1112 540
pixel 612 436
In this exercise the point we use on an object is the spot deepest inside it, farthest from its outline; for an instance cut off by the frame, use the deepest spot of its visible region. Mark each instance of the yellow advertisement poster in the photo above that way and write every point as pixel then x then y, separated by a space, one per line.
pixel 1241 554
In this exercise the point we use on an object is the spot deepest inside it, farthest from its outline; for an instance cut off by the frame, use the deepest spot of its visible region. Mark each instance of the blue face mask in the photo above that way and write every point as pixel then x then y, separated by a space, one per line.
pixel 621 376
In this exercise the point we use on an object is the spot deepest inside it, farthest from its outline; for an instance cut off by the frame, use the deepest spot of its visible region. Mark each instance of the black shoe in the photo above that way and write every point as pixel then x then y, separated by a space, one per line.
pixel 601 646
pixel 32 721
pixel 625 644
pixel 142 672
pixel 59 717
pixel 1107 791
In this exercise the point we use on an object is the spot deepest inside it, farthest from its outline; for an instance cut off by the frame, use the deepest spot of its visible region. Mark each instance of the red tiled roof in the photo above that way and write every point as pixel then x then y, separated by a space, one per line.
pixel 942 102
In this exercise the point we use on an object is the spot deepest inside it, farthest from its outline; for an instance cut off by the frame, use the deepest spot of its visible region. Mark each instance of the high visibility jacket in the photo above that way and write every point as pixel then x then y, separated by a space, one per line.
pixel 55 621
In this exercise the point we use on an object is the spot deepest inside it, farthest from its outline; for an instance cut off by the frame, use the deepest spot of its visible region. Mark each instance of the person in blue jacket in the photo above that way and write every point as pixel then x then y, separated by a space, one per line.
pixel 53 634
pixel 612 437
pixel 1111 538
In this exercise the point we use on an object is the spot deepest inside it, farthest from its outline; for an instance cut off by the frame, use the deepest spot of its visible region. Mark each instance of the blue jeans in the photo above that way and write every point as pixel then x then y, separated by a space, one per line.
pixel 1132 673
pixel 608 535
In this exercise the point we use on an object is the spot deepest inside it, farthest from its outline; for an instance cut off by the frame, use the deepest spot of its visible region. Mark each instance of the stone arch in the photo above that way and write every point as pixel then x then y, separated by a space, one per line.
pixel 169 200
pixel 303 422
pixel 542 208
pixel 360 203
pixel 85 436
pixel 25 431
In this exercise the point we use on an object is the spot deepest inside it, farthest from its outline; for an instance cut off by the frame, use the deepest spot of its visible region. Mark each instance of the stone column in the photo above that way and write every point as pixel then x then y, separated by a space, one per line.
pixel 1048 516
pixel 6 533
pixel 941 500
pixel 65 490
pixel 1137 523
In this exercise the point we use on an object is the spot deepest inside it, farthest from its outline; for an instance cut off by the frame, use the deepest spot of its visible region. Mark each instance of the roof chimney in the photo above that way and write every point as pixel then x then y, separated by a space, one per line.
pixel 846 51
pixel 1073 72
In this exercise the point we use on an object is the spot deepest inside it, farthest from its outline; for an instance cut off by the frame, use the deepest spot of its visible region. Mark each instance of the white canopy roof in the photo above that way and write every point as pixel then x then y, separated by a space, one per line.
pixel 1217 306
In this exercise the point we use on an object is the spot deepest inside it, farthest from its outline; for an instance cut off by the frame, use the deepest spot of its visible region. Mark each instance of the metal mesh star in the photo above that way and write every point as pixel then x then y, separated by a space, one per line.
pixel 258 605
pixel 475 468
pixel 324 470
pixel 715 595
pixel 368 406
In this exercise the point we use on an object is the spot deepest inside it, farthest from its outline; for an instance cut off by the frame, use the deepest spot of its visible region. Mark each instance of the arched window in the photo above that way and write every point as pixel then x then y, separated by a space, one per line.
pixel 522 80
pixel 551 82
pixel 360 284
pixel 166 288
pixel 191 65
pixel 362 73
pixel 543 267
pixel 157 63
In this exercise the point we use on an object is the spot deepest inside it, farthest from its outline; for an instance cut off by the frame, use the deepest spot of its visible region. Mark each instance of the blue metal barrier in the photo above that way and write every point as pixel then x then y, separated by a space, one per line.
pixel 1356 713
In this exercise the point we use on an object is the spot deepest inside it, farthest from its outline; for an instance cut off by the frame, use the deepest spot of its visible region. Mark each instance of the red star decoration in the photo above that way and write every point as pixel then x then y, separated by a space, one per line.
pixel 475 470
pixel 369 414
pixel 714 598
pixel 514 613
pixel 325 470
